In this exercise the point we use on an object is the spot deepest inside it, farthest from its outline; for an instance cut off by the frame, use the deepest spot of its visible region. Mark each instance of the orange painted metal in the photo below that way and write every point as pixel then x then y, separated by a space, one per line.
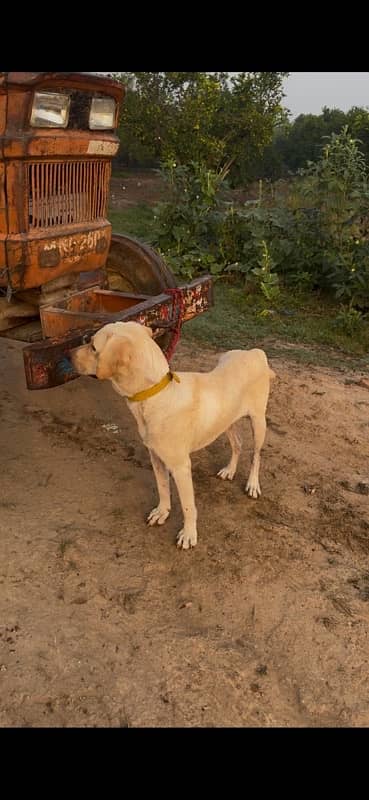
pixel 83 309
pixel 47 363
pixel 54 182
pixel 54 185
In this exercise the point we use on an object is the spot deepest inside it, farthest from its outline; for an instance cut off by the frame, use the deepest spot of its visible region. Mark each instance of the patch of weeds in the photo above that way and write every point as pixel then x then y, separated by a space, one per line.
pixel 350 321
pixel 303 321
pixel 63 545
pixel 117 513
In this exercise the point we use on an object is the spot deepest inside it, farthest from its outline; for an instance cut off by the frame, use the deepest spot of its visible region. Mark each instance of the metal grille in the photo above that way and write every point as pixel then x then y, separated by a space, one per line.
pixel 62 193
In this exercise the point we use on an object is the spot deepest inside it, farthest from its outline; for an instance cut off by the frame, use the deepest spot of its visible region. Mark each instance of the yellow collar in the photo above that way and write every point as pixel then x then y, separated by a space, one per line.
pixel 170 376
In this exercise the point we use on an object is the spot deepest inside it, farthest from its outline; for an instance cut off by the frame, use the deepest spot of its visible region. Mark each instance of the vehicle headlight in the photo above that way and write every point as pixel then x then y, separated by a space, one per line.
pixel 102 113
pixel 50 110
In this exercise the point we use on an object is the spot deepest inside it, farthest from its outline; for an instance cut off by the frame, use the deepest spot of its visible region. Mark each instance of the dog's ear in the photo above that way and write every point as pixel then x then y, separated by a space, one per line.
pixel 115 355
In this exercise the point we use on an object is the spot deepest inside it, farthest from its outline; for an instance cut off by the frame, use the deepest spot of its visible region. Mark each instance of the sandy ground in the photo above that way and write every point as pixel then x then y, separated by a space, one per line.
pixel 103 622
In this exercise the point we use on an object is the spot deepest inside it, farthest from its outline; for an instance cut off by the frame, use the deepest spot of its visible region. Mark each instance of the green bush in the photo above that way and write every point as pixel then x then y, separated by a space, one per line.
pixel 314 237
pixel 187 226
pixel 350 321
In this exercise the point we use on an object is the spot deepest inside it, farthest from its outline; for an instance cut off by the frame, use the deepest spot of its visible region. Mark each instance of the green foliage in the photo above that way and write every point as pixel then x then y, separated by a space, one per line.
pixel 314 237
pixel 137 221
pixel 318 233
pixel 187 225
pixel 350 321
pixel 213 117
pixel 295 143
pixel 200 117
pixel 337 187
pixel 268 280
pixel 301 141
pixel 239 319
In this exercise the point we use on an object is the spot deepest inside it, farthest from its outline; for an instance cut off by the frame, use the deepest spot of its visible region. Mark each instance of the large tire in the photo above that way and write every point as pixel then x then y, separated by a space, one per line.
pixel 135 267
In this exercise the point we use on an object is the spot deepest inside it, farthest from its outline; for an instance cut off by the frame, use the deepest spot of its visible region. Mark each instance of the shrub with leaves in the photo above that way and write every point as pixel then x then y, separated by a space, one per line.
pixel 268 280
pixel 350 320
pixel 188 224
pixel 336 187
pixel 316 236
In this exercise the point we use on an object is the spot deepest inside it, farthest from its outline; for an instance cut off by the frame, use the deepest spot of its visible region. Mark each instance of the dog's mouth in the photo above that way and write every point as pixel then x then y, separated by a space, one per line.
pixel 80 359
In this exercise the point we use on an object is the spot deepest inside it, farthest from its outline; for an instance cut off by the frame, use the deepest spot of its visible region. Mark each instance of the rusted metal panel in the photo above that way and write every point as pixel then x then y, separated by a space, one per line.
pixel 2 117
pixel 197 297
pixel 83 80
pixel 19 140
pixel 16 96
pixel 57 144
pixel 16 198
pixel 36 258
pixel 3 228
pixel 53 179
pixel 65 193
pixel 53 200
pixel 47 364
pixel 99 300
pixel 85 308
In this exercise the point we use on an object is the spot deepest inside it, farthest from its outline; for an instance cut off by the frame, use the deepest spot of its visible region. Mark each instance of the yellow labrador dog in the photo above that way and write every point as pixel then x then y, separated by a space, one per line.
pixel 180 413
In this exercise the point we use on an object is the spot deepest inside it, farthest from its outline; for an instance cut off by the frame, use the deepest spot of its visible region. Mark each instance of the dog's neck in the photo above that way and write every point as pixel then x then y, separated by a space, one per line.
pixel 151 367
pixel 148 368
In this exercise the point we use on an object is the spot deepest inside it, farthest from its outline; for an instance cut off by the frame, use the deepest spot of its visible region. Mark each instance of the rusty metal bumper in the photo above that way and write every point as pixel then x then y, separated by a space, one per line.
pixel 72 322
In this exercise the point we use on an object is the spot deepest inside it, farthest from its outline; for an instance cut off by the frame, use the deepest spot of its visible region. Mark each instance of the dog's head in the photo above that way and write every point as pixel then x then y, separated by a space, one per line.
pixel 114 352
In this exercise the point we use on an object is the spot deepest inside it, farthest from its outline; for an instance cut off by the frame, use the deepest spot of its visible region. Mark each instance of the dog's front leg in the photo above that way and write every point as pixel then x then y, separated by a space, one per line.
pixel 182 475
pixel 161 512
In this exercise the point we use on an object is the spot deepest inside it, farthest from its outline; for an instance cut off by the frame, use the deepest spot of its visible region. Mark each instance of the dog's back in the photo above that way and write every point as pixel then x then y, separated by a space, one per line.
pixel 205 404
pixel 254 362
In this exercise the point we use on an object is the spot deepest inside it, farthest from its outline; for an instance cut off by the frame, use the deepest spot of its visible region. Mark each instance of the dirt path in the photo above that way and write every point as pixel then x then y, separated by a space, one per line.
pixel 104 623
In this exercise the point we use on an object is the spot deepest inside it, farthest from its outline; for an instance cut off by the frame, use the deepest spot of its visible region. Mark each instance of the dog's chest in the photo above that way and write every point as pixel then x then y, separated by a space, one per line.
pixel 137 412
pixel 141 423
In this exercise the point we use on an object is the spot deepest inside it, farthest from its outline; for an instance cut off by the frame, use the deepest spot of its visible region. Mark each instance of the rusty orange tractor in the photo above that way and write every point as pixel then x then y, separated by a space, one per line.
pixel 63 274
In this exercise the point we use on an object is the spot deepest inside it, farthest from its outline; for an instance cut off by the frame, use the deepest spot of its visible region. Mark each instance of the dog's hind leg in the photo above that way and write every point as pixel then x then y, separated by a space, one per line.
pixel 259 429
pixel 161 512
pixel 228 472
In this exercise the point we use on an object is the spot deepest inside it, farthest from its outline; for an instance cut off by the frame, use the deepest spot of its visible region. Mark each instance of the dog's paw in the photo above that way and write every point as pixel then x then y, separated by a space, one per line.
pixel 186 539
pixel 158 516
pixel 253 489
pixel 226 474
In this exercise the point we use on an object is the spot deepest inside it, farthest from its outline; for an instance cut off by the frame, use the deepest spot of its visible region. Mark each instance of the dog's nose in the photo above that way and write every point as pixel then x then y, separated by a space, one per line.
pixel 73 355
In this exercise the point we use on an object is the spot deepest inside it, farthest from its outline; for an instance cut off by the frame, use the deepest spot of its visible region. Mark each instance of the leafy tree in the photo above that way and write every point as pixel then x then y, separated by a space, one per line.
pixel 252 109
pixel 358 121
pixel 200 117
pixel 315 236
pixel 295 143
pixel 337 186
pixel 303 139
